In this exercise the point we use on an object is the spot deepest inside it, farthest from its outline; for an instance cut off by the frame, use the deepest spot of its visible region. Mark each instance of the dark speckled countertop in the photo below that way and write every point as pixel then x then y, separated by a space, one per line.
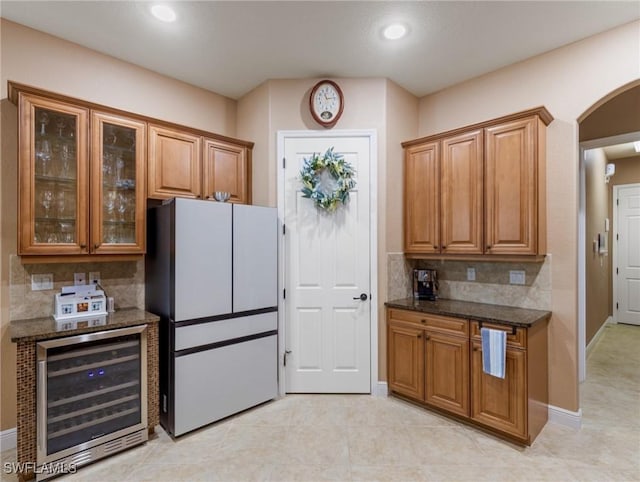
pixel 505 315
pixel 47 328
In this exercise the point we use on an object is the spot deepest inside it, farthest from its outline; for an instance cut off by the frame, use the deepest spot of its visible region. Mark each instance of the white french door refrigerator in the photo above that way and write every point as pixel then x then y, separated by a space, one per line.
pixel 211 275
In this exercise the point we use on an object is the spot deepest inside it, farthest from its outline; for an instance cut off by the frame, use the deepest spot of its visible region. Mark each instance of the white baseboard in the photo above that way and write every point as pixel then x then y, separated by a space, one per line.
pixel 594 341
pixel 8 439
pixel 565 417
pixel 380 390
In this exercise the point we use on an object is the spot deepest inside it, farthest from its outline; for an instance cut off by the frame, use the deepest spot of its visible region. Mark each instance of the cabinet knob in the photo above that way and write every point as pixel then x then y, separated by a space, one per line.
pixel 444 247
pixel 423 321
pixel 475 348
pixel 83 246
pixel 435 247
pixel 427 337
pixel 96 246
pixel 419 336
pixel 488 247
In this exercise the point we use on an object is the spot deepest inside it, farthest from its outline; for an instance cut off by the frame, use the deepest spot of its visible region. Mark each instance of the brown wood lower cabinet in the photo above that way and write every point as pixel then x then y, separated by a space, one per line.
pixel 428 359
pixel 437 361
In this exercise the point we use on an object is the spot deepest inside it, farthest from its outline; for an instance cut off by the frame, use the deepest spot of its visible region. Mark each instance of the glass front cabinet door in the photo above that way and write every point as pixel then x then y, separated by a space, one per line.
pixel 79 195
pixel 117 184
pixel 53 177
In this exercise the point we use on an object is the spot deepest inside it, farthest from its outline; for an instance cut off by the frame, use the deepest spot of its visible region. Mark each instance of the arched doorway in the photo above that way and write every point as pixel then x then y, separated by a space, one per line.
pixel 606 132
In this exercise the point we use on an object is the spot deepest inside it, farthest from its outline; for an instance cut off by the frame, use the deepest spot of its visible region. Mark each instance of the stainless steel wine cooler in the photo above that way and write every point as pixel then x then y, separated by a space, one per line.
pixel 92 396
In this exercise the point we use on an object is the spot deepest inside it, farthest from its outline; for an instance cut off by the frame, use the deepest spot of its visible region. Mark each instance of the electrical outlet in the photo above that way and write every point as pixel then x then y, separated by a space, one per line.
pixel 40 282
pixel 79 278
pixel 516 277
pixel 471 274
pixel 94 277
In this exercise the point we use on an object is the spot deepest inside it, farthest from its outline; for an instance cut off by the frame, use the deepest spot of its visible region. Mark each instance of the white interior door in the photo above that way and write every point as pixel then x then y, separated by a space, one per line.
pixel 627 222
pixel 327 268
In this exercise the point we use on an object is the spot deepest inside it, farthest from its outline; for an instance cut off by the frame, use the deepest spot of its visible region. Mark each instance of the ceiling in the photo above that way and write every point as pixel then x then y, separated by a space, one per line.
pixel 231 47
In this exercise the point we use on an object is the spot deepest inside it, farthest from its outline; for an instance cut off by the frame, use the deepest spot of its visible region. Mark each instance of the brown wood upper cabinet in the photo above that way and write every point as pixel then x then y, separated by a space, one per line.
pixel 478 190
pixel 175 164
pixel 184 164
pixel 78 195
pixel 226 168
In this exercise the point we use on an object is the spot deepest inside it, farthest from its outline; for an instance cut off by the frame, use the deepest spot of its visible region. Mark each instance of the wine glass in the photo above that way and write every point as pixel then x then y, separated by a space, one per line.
pixel 43 154
pixel 61 203
pixel 110 204
pixel 119 168
pixel 60 125
pixel 66 161
pixel 46 199
pixel 122 206
pixel 43 119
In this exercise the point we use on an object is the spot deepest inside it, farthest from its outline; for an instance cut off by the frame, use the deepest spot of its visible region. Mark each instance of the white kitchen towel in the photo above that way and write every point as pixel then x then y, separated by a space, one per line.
pixel 494 351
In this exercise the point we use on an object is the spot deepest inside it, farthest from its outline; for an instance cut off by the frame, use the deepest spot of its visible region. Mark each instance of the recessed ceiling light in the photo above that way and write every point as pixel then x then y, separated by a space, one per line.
pixel 164 13
pixel 395 31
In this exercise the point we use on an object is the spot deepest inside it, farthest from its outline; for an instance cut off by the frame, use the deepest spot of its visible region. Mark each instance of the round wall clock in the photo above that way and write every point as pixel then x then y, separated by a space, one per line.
pixel 326 103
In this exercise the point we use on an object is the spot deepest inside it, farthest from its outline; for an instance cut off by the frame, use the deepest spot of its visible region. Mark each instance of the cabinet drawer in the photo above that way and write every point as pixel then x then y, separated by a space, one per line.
pixel 437 323
pixel 519 340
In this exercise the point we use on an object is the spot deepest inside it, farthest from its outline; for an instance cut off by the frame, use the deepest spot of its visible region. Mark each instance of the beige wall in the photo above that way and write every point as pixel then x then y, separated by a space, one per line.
pixel 34 58
pixel 597 266
pixel 567 81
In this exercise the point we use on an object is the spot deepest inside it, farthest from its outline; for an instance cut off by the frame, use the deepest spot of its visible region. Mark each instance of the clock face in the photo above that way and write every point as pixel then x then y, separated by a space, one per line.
pixel 326 103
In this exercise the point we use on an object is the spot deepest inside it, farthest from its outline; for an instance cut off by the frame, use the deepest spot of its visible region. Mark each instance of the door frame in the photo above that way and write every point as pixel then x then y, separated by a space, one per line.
pixel 371 134
pixel 582 239
pixel 614 246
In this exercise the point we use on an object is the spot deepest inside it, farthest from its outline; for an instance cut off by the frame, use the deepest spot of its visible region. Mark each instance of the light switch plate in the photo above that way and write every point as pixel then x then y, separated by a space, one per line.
pixel 40 282
pixel 79 278
pixel 516 277
pixel 94 277
pixel 471 274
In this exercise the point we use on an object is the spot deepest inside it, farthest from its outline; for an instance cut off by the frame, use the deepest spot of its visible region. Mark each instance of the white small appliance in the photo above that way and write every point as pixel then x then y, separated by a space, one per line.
pixel 79 301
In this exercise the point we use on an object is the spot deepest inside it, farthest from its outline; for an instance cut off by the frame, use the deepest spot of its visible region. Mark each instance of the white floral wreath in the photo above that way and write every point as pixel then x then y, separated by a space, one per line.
pixel 327 179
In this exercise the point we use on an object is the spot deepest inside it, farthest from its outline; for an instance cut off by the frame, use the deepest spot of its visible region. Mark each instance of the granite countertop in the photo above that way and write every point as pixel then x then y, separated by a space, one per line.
pixel 504 315
pixel 46 328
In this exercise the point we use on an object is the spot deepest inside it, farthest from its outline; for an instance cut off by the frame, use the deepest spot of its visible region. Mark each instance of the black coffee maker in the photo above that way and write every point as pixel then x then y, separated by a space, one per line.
pixel 425 284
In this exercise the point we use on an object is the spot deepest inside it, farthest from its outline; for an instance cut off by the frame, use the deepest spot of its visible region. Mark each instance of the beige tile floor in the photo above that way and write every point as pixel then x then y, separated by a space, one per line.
pixel 361 438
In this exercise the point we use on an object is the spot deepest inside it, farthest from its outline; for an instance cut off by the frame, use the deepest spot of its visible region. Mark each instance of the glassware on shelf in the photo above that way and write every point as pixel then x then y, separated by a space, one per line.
pixel 119 168
pixel 107 169
pixel 61 204
pixel 43 120
pixel 123 205
pixel 46 199
pixel 110 205
pixel 110 234
pixel 60 125
pixel 43 156
pixel 65 156
pixel 66 232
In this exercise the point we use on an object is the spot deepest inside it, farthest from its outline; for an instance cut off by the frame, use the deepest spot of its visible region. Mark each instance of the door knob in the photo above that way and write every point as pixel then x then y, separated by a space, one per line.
pixel 362 297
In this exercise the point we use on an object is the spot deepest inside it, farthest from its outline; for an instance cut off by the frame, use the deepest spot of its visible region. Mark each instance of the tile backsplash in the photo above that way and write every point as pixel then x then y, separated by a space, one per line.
pixel 123 280
pixel 490 286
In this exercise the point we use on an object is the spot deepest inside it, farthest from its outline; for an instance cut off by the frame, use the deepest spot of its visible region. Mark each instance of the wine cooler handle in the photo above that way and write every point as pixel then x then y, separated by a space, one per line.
pixel 41 415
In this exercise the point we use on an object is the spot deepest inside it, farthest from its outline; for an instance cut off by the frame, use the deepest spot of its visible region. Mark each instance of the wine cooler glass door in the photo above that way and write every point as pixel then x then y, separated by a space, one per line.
pixel 92 391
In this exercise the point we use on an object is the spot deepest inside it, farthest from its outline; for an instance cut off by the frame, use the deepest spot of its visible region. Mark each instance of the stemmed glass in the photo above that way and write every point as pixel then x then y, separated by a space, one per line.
pixel 43 154
pixel 61 204
pixel 60 124
pixel 46 199
pixel 110 204
pixel 66 161
pixel 43 119
pixel 119 168
pixel 122 206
